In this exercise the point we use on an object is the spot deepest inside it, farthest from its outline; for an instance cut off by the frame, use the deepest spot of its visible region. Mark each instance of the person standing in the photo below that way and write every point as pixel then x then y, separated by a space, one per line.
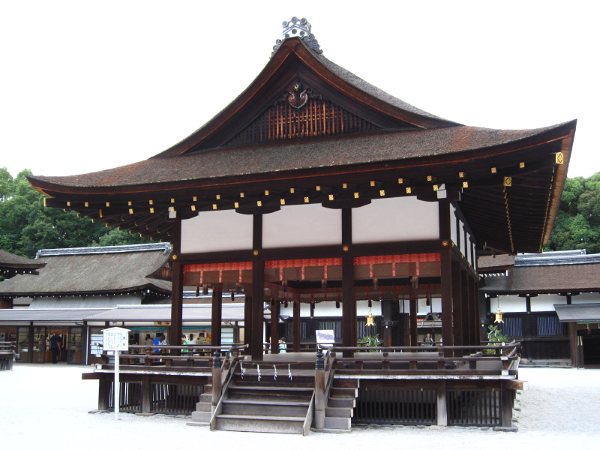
pixel 55 342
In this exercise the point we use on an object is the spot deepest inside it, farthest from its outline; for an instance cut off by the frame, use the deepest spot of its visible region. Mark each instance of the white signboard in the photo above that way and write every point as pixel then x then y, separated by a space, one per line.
pixel 325 338
pixel 116 339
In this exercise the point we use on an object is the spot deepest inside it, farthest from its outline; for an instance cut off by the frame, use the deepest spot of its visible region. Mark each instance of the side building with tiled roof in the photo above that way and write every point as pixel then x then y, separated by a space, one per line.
pixel 72 284
pixel 549 301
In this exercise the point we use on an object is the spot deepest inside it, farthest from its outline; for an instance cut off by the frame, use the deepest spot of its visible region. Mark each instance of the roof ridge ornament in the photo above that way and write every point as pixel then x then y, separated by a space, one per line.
pixel 299 28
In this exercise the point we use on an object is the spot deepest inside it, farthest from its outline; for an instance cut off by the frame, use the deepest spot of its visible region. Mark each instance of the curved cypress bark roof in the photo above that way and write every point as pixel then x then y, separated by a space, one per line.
pixel 304 121
pixel 401 147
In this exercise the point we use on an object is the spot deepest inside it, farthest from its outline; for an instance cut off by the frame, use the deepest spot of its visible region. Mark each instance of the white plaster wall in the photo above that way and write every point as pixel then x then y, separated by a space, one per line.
pixel 395 219
pixel 436 306
pixel 215 231
pixel 463 240
pixel 302 225
pixel 508 303
pixel 328 309
pixel 546 302
pixel 468 249
pixel 453 231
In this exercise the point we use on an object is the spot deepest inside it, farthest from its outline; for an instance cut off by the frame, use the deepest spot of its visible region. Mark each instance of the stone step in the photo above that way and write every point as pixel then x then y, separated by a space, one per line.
pixel 266 388
pixel 338 423
pixel 282 380
pixel 331 411
pixel 206 398
pixel 201 417
pixel 260 424
pixel 265 408
pixel 343 392
pixel 203 406
pixel 345 383
pixel 341 402
pixel 279 393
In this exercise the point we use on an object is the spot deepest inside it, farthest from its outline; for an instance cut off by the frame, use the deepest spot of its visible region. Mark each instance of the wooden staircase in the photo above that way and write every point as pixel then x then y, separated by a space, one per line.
pixel 272 405
pixel 201 417
pixel 340 405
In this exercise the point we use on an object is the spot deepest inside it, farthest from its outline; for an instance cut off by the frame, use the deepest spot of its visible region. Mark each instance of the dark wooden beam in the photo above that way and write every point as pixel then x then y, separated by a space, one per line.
pixel 258 292
pixel 446 272
pixel 175 330
pixel 216 314
pixel 296 331
pixel 248 318
pixel 414 300
pixel 348 301
pixel 275 308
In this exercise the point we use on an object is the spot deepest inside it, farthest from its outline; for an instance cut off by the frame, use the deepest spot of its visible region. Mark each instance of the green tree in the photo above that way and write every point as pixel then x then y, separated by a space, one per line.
pixel 26 226
pixel 577 224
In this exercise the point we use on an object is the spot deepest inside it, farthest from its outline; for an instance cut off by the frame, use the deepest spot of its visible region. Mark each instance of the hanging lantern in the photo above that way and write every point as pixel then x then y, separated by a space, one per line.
pixel 370 319
pixel 499 316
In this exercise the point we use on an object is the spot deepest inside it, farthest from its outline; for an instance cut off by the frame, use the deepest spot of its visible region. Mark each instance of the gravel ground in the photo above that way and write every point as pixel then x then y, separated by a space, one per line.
pixel 46 407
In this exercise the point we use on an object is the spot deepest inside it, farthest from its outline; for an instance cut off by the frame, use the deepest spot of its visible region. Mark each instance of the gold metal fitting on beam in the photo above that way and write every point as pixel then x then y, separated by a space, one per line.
pixel 559 158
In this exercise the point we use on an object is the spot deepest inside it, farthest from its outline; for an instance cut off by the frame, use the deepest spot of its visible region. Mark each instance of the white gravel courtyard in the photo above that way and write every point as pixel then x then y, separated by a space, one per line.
pixel 46 407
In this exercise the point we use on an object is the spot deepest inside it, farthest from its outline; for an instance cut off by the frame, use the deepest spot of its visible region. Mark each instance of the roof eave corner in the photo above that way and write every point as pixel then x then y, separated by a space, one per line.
pixel 560 178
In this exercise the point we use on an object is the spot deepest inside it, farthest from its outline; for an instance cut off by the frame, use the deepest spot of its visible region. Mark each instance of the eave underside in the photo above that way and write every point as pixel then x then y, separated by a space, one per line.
pixel 509 216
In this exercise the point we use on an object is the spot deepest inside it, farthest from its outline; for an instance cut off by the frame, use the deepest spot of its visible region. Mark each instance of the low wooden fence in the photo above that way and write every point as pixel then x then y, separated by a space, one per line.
pixel 160 379
pixel 447 386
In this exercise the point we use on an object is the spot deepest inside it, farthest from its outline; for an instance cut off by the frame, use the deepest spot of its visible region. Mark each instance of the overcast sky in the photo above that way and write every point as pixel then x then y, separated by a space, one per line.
pixel 86 86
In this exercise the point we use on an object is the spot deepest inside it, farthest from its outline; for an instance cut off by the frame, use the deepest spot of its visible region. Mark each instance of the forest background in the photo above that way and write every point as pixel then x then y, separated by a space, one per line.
pixel 27 226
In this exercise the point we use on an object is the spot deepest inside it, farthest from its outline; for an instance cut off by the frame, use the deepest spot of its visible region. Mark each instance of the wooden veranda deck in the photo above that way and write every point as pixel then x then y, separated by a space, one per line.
pixel 293 392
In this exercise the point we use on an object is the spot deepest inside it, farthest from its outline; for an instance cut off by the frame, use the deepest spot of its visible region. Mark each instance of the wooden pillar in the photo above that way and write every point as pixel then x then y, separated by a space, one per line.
pixel 442 409
pixel 30 344
pixel 475 311
pixel 528 303
pixel 258 292
pixel 84 343
pixel 574 344
pixel 146 394
pixel 414 301
pixel 175 329
pixel 507 406
pixel 216 381
pixel 348 300
pixel 320 399
pixel 456 303
pixel 446 271
pixel 296 331
pixel 275 308
pixel 247 318
pixel 104 391
pixel 390 310
pixel 216 314
pixel 468 309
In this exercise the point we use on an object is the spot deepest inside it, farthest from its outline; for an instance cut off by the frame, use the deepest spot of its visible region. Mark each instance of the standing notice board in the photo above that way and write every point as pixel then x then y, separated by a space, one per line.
pixel 116 339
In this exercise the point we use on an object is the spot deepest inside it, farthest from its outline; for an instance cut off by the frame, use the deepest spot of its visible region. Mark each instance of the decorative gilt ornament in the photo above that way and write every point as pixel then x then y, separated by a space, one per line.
pixel 297 95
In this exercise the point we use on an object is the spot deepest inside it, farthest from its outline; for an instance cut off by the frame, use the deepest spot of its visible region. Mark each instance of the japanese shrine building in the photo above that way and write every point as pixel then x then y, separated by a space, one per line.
pixel 314 186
